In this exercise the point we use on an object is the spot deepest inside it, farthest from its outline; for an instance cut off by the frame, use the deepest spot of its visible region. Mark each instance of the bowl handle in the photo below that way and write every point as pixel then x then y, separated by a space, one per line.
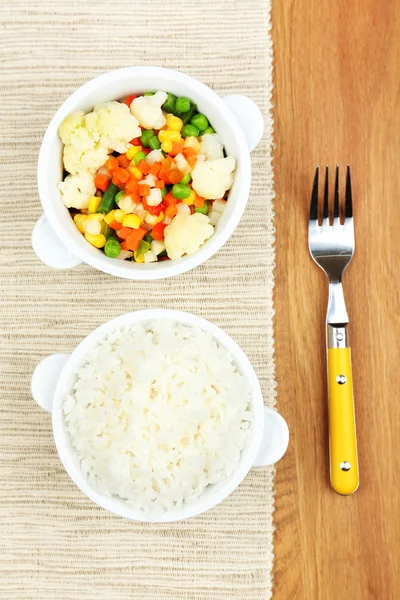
pixel 49 248
pixel 45 377
pixel 249 116
pixel 275 439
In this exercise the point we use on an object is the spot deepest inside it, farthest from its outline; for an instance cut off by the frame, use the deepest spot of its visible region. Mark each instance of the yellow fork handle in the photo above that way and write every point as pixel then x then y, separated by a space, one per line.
pixel 342 428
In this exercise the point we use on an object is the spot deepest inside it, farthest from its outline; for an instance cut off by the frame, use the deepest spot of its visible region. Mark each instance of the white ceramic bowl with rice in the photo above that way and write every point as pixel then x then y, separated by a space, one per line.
pixel 216 437
pixel 236 118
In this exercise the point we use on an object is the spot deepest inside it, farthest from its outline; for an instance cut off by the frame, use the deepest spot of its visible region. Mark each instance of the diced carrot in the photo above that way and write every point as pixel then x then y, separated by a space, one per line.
pixel 171 211
pixel 115 225
pixel 144 189
pixel 153 210
pixel 118 182
pixel 177 148
pixel 158 231
pixel 132 185
pixel 174 175
pixel 112 164
pixel 144 167
pixel 125 232
pixel 123 161
pixel 122 174
pixel 135 197
pixel 168 162
pixel 123 245
pixel 155 167
pixel 169 199
pixel 101 182
pixel 128 101
pixel 191 160
pixel 133 241
pixel 160 184
pixel 162 174
pixel 199 201
pixel 136 142
pixel 189 152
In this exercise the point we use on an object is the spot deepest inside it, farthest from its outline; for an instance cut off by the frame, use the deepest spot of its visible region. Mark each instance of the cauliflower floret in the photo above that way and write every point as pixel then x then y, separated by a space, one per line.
pixel 212 178
pixel 112 125
pixel 78 159
pixel 77 189
pixel 211 146
pixel 70 125
pixel 147 110
pixel 186 234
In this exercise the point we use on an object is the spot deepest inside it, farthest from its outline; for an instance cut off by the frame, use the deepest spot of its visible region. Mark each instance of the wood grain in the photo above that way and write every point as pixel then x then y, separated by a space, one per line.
pixel 337 98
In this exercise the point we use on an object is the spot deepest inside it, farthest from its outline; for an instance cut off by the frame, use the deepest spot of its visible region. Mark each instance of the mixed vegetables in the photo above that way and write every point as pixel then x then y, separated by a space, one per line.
pixel 147 178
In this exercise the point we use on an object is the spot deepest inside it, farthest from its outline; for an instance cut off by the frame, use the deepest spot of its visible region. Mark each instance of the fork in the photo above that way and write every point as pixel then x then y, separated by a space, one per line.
pixel 331 245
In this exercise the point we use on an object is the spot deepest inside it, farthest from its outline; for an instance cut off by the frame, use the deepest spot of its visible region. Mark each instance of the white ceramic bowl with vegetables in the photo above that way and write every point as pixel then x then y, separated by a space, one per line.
pixel 158 415
pixel 144 173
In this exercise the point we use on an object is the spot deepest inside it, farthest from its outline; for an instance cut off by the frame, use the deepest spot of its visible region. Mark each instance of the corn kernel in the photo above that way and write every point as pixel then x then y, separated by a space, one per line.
pixel 98 241
pixel 190 199
pixel 138 259
pixel 79 219
pixel 131 221
pixel 109 218
pixel 130 153
pixel 95 217
pixel 166 146
pixel 174 123
pixel 119 215
pixel 94 203
pixel 136 172
pixel 153 219
pixel 174 136
pixel 163 135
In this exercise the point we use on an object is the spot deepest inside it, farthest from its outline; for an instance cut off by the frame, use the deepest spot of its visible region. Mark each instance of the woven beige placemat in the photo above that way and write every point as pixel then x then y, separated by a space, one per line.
pixel 54 543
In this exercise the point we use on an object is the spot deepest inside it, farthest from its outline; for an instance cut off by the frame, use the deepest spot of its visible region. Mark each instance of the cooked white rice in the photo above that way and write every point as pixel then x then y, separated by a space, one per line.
pixel 157 413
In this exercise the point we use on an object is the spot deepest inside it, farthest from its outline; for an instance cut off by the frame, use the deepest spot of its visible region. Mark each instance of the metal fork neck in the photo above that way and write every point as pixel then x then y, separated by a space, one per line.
pixel 337 336
pixel 337 313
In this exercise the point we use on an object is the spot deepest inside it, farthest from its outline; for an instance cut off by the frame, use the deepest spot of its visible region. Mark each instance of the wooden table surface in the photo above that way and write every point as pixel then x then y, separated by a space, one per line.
pixel 337 99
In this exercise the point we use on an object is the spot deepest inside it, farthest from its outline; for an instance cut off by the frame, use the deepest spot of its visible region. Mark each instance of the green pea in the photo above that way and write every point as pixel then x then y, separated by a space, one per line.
pixel 181 191
pixel 154 143
pixel 203 210
pixel 148 94
pixel 200 121
pixel 186 178
pixel 138 157
pixel 164 191
pixel 182 104
pixel 119 196
pixel 112 247
pixel 189 130
pixel 208 130
pixel 146 137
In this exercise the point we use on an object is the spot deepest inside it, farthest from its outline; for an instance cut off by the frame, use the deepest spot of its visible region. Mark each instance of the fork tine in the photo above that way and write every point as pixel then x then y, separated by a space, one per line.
pixel 336 199
pixel 314 198
pixel 326 194
pixel 348 206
